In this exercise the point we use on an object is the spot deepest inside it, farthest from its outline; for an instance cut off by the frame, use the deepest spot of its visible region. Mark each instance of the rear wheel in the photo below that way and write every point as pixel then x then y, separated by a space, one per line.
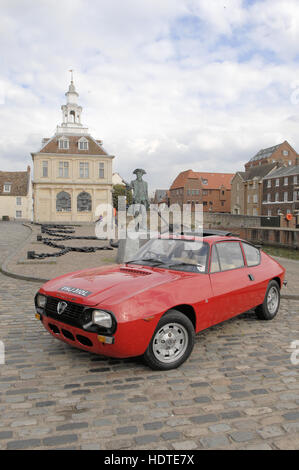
pixel 269 308
pixel 172 342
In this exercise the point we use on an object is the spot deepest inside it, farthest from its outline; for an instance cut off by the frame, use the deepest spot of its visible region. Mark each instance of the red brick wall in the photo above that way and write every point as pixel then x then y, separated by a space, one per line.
pixel 277 156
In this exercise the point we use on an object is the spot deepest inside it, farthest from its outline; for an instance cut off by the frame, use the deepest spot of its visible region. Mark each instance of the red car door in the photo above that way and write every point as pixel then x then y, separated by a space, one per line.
pixel 256 275
pixel 229 281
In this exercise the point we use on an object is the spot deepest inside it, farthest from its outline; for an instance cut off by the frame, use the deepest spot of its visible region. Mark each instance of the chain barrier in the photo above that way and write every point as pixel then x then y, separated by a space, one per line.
pixel 59 231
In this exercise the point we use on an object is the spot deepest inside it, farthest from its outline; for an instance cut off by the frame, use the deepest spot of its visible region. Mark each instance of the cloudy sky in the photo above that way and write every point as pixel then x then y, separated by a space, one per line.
pixel 168 85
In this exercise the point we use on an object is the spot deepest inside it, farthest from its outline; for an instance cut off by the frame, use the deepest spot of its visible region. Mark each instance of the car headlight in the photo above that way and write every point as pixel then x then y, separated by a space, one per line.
pixel 102 318
pixel 41 300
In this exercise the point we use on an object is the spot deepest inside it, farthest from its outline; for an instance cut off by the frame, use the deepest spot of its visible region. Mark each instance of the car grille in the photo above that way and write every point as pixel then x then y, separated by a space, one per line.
pixel 134 271
pixel 72 315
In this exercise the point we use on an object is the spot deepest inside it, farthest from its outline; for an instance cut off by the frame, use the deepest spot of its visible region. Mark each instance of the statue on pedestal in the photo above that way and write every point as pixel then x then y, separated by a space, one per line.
pixel 140 188
pixel 140 199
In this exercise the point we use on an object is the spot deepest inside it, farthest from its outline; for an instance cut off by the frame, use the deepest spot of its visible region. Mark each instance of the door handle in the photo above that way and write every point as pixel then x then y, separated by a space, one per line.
pixel 251 277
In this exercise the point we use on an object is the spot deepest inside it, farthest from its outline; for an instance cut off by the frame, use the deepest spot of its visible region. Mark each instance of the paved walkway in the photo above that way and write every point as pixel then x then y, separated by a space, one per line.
pixel 292 276
pixel 55 266
pixel 11 235
pixel 239 389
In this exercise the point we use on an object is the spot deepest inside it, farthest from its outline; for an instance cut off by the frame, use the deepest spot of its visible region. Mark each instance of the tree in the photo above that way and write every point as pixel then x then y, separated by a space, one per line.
pixel 121 190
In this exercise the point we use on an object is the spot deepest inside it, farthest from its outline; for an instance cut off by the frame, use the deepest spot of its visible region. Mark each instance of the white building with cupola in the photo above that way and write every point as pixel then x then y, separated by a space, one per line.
pixel 72 170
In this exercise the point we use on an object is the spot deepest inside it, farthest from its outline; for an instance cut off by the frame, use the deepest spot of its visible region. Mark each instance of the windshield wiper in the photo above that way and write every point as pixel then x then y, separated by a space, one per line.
pixel 150 260
pixel 186 264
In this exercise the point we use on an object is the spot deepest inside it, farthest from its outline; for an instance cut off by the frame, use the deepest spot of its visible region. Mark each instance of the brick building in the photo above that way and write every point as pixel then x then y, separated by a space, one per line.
pixel 283 153
pixel 247 189
pixel 210 189
pixel 161 196
pixel 281 192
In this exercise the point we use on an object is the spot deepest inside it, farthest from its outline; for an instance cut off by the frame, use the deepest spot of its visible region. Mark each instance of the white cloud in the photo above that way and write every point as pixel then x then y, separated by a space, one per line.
pixel 221 16
pixel 275 27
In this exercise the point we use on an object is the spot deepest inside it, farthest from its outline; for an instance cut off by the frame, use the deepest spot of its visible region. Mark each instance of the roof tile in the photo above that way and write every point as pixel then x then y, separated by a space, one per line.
pixel 215 180
pixel 19 182
pixel 94 147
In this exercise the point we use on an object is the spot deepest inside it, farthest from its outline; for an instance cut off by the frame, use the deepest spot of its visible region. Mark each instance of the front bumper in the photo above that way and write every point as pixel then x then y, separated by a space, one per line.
pixel 92 342
pixel 131 338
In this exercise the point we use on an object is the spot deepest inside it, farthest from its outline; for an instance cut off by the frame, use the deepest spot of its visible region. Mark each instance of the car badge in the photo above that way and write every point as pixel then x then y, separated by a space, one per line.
pixel 61 307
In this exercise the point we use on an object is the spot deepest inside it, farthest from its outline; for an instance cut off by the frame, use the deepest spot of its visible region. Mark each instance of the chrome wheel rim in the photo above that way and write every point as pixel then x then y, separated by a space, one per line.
pixel 170 343
pixel 272 300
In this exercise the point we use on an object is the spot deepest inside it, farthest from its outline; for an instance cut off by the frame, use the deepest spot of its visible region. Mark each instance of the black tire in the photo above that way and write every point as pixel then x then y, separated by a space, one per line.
pixel 179 331
pixel 267 311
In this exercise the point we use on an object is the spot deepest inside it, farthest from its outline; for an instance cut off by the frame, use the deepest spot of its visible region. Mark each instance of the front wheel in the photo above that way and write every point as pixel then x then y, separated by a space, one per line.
pixel 269 308
pixel 172 342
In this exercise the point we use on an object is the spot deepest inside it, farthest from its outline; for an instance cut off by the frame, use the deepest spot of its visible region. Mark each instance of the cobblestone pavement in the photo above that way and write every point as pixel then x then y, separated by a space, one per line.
pixel 11 235
pixel 238 390
pixel 292 275
pixel 55 266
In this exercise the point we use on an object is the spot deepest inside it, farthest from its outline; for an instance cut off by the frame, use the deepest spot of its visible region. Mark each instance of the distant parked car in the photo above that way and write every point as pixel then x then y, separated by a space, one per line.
pixel 154 305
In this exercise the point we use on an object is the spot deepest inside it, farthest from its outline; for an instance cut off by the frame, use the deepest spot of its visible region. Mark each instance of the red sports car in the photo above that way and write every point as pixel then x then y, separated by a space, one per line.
pixel 154 305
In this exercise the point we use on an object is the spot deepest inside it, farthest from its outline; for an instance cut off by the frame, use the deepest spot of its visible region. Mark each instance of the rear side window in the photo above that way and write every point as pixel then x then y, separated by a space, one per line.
pixel 215 266
pixel 252 255
pixel 230 255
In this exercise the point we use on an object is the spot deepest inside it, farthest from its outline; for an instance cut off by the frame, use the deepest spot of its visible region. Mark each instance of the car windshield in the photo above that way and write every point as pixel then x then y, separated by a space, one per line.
pixel 185 255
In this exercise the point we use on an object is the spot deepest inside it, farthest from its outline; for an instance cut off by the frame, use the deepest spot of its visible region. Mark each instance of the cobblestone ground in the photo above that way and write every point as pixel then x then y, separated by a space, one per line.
pixel 67 263
pixel 238 390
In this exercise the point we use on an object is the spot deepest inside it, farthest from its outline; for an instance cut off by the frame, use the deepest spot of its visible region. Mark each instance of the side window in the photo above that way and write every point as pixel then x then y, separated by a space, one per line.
pixel 230 255
pixel 252 255
pixel 214 267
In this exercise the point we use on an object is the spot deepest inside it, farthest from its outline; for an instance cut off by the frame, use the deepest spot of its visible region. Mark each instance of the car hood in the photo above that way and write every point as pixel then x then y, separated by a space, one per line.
pixel 111 285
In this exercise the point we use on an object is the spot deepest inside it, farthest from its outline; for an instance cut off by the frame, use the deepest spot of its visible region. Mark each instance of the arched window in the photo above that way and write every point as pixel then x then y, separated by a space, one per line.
pixel 63 202
pixel 72 116
pixel 84 202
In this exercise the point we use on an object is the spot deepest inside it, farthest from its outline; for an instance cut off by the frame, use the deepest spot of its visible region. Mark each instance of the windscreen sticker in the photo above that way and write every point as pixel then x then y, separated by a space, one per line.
pixel 76 290
pixel 200 268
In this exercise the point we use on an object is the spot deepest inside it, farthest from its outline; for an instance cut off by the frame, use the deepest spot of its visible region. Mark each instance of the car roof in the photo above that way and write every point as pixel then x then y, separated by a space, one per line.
pixel 210 239
pixel 217 238
pixel 207 232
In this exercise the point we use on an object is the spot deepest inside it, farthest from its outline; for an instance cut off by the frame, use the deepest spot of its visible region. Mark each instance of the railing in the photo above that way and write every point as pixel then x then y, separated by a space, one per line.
pixel 271 221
